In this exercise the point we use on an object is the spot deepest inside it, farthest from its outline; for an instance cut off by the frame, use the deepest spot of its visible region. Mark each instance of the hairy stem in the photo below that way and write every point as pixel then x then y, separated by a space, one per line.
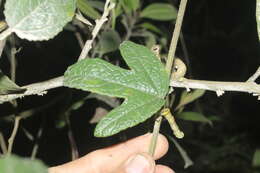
pixel 156 130
pixel 175 37
pixel 14 132
pixel 169 63
pixel 99 23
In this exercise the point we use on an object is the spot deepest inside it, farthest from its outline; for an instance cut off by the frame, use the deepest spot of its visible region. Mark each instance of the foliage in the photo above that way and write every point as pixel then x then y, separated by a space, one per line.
pixel 15 164
pixel 38 19
pixel 143 87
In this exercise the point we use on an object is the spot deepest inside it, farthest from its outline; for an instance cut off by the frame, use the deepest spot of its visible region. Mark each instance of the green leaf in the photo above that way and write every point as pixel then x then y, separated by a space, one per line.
pixel 109 41
pixel 143 87
pixel 131 4
pixel 188 97
pixel 87 9
pixel 256 158
pixel 99 5
pixel 150 27
pixel 38 19
pixel 160 11
pixel 194 116
pixel 15 164
pixel 258 17
pixel 9 87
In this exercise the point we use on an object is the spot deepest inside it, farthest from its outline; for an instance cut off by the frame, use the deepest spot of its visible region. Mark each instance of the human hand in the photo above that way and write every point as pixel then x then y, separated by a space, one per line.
pixel 127 157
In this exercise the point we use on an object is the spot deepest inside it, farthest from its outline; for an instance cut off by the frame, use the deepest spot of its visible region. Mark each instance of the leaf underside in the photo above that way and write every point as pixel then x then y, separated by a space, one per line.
pixel 38 19
pixel 143 87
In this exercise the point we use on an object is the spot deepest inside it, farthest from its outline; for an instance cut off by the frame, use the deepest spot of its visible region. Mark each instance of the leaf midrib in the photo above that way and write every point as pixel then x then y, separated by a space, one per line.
pixel 127 86
pixel 148 76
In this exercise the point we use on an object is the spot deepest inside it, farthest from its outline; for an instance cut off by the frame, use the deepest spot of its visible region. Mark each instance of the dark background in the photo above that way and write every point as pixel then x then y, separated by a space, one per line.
pixel 222 43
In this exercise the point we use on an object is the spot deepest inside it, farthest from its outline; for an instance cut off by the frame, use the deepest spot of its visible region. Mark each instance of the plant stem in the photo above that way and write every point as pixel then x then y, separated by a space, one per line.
pixel 175 37
pixel 156 130
pixel 99 23
pixel 169 63
pixel 3 144
pixel 14 132
pixel 5 34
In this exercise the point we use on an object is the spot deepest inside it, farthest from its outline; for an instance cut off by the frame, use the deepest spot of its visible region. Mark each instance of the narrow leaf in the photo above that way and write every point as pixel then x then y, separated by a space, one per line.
pixel 160 11
pixel 188 97
pixel 15 164
pixel 38 19
pixel 87 9
pixel 150 27
pixel 194 116
pixel 143 87
pixel 8 87
pixel 131 4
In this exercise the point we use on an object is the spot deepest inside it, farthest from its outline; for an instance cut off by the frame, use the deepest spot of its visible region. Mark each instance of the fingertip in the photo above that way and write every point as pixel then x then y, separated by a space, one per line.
pixel 163 169
pixel 162 146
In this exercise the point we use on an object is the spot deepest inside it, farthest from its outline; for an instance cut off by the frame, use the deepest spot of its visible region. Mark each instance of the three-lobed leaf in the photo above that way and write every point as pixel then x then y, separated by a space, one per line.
pixel 159 11
pixel 15 164
pixel 38 19
pixel 143 87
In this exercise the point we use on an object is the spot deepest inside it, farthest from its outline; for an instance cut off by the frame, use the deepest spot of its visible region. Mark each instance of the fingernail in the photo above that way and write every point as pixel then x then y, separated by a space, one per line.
pixel 138 164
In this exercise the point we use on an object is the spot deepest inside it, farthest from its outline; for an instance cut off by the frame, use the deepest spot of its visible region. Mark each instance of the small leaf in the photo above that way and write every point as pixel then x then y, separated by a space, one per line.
pixel 131 4
pixel 258 17
pixel 150 27
pixel 87 9
pixel 194 116
pixel 160 11
pixel 256 159
pixel 150 39
pixel 9 87
pixel 15 164
pixel 188 97
pixel 109 41
pixel 38 19
pixel 143 87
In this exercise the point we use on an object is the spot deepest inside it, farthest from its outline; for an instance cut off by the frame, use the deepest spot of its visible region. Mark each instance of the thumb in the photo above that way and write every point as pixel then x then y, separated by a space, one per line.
pixel 137 163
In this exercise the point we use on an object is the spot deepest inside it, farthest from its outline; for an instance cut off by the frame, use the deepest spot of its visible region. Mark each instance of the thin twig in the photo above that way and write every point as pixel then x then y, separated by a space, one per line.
pixel 35 89
pixel 99 22
pixel 187 161
pixel 169 63
pixel 36 145
pixel 254 76
pixel 156 130
pixel 175 37
pixel 3 144
pixel 5 34
pixel 249 87
pixel 2 45
pixel 14 132
pixel 41 87
pixel 80 40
